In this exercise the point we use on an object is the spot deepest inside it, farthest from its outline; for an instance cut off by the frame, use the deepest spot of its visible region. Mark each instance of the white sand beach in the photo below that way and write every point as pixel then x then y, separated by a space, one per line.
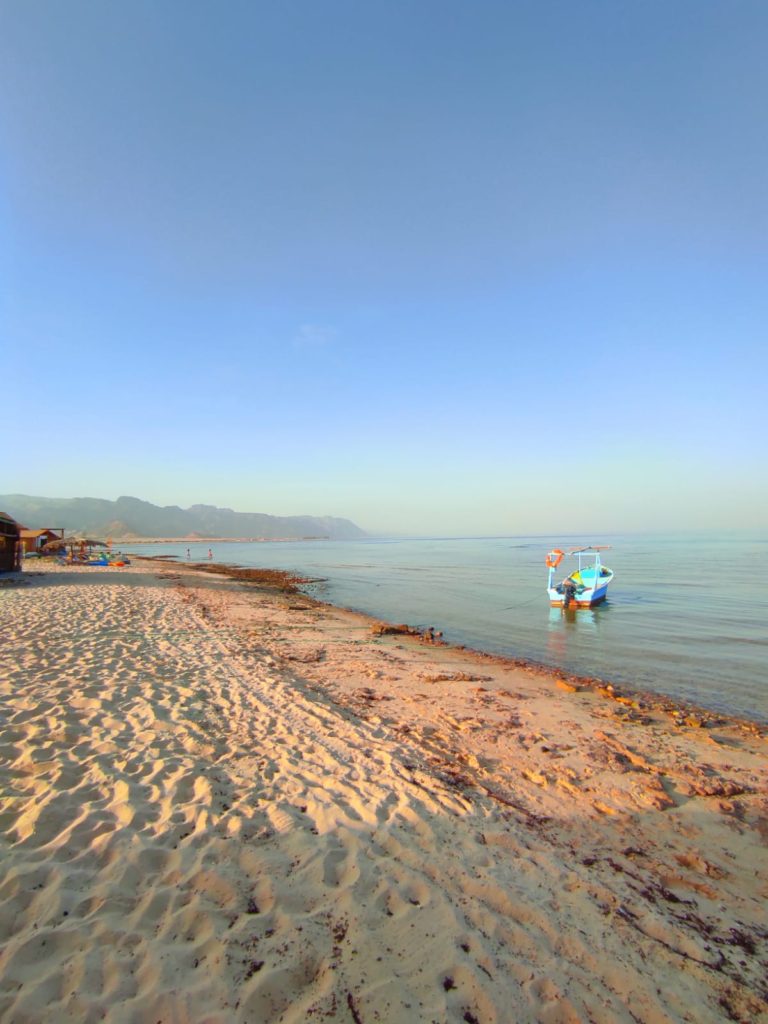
pixel 221 803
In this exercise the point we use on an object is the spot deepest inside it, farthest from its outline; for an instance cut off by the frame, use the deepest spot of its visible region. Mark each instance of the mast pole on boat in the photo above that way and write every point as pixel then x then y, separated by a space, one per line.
pixel 554 558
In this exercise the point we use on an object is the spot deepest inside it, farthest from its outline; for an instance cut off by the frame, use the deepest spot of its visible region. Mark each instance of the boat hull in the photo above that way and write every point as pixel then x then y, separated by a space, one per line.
pixel 584 600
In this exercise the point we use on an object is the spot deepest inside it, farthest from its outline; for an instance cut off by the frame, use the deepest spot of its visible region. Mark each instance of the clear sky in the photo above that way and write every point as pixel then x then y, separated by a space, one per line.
pixel 436 266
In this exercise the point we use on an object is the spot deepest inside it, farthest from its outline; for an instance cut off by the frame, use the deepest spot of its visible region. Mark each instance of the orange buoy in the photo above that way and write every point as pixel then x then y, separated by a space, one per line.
pixel 554 558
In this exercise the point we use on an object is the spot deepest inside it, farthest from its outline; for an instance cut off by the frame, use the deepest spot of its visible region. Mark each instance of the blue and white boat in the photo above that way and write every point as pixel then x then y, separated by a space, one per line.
pixel 587 585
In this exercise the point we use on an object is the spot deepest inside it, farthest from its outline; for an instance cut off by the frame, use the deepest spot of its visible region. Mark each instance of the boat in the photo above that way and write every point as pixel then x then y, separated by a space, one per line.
pixel 587 585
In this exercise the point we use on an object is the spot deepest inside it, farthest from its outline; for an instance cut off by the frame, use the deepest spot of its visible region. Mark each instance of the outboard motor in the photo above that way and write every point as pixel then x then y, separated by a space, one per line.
pixel 569 592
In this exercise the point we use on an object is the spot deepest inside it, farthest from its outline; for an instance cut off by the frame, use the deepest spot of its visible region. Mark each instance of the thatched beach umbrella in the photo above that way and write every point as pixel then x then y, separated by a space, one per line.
pixel 73 542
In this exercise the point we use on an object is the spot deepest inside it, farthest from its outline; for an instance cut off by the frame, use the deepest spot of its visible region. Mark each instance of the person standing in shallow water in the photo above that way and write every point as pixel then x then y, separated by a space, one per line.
pixel 210 553
pixel 188 556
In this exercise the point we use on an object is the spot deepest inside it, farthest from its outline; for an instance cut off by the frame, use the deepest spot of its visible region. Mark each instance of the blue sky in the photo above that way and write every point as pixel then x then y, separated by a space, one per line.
pixel 438 267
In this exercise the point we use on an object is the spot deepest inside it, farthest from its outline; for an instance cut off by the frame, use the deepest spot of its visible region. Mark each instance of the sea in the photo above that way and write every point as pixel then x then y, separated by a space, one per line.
pixel 686 615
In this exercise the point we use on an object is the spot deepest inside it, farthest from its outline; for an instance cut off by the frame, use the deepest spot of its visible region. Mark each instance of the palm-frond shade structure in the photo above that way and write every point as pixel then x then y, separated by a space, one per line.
pixel 73 542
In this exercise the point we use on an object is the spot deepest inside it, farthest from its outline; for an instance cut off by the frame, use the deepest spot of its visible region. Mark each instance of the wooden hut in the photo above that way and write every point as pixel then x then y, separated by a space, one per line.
pixel 35 540
pixel 10 546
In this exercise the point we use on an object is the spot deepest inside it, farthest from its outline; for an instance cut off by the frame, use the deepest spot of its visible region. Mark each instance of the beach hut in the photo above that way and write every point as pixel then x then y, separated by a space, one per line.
pixel 10 547
pixel 36 540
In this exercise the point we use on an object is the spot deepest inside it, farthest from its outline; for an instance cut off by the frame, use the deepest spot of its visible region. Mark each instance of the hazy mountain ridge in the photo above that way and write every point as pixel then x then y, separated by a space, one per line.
pixel 132 517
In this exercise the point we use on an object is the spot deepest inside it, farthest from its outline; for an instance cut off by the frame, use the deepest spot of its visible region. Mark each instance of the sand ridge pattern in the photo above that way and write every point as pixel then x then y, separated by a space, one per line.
pixel 193 829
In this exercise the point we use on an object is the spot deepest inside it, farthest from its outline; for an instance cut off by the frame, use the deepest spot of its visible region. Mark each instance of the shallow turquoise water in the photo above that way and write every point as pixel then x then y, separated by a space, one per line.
pixel 686 615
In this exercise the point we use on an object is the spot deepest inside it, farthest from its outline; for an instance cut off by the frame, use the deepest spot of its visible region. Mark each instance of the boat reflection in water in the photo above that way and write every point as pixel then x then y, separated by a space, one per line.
pixel 566 624
pixel 561 619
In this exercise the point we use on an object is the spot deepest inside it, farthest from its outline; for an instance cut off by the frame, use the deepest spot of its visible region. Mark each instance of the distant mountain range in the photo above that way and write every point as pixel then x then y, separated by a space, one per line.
pixel 131 517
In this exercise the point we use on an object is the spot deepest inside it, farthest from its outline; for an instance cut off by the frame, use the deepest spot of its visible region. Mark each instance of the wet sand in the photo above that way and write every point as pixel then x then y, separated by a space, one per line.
pixel 222 801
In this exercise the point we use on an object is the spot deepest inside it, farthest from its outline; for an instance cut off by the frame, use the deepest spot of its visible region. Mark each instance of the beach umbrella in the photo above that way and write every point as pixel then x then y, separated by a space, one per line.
pixel 74 542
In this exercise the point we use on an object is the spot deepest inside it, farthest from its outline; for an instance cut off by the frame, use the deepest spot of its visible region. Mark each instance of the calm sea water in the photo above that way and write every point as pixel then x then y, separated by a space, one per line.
pixel 686 615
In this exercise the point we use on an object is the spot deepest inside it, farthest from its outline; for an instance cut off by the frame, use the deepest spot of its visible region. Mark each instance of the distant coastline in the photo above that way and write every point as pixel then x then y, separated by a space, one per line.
pixel 140 521
pixel 211 540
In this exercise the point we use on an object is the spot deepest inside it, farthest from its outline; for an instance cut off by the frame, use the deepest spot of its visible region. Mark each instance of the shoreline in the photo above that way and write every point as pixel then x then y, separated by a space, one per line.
pixel 651 699
pixel 227 801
